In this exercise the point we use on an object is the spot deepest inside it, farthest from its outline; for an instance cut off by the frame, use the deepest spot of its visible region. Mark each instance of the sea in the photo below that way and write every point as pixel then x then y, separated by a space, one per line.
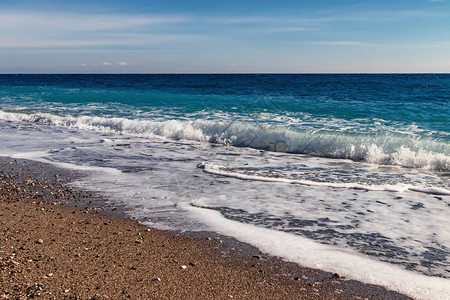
pixel 349 173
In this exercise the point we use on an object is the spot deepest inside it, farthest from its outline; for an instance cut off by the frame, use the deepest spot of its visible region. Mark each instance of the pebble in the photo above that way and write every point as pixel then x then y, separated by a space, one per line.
pixel 39 241
pixel 157 279
pixel 183 267
pixel 336 276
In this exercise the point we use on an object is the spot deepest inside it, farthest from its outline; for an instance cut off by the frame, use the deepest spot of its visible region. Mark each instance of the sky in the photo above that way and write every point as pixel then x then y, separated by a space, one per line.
pixel 233 36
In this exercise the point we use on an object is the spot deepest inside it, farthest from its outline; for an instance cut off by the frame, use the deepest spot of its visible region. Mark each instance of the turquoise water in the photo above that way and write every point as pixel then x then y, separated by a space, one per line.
pixel 371 118
pixel 341 172
pixel 408 99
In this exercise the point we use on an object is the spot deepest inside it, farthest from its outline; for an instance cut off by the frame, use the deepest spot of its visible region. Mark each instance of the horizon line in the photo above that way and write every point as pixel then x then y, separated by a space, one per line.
pixel 239 73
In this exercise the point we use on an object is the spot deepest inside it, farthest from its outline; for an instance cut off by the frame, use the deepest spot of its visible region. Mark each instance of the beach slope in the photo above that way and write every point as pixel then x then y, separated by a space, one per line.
pixel 60 243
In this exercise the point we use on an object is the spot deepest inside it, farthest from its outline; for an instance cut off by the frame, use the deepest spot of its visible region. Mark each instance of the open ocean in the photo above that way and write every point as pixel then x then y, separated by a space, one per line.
pixel 346 173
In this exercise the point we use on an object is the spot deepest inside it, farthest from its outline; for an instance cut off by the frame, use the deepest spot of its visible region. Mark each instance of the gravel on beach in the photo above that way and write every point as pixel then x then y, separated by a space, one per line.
pixel 60 243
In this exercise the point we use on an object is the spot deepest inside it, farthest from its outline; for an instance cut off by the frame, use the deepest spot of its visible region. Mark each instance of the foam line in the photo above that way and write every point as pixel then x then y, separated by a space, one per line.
pixel 315 255
pixel 219 170
pixel 41 156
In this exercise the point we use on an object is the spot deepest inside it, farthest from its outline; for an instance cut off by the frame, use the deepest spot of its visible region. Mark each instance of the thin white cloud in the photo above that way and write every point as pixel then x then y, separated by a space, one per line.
pixel 327 17
pixel 122 31
pixel 243 20
pixel 80 22
pixel 77 30
pixel 408 45
pixel 342 43
pixel 122 63
pixel 122 40
pixel 290 29
pixel 56 26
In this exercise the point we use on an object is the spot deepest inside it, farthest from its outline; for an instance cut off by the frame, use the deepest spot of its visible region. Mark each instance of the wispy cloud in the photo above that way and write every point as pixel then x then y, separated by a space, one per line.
pixel 109 41
pixel 292 29
pixel 417 44
pixel 342 43
pixel 79 30
pixel 330 17
pixel 80 22
pixel 97 41
pixel 243 20
pixel 105 64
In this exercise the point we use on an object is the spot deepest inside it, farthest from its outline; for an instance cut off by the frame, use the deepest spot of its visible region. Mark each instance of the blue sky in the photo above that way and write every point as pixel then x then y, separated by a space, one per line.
pixel 245 36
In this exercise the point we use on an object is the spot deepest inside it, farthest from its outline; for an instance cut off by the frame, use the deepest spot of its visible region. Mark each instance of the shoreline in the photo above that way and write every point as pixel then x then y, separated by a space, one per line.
pixel 62 243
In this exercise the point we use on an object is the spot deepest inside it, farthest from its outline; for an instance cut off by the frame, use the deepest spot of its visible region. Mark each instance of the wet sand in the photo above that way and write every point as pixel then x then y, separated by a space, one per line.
pixel 61 243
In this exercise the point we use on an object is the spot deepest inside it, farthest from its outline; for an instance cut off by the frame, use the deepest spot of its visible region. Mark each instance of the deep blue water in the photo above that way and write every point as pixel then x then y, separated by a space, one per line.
pixel 420 99
pixel 324 114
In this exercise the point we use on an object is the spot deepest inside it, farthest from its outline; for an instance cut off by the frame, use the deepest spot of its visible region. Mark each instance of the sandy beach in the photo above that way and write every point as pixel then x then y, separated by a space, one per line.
pixel 60 243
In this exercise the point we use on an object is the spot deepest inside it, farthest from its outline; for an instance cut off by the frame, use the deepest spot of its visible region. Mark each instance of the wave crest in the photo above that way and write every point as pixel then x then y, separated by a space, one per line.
pixel 385 148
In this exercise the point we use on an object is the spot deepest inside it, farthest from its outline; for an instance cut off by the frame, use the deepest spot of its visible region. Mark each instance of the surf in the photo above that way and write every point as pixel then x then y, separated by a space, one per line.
pixel 382 148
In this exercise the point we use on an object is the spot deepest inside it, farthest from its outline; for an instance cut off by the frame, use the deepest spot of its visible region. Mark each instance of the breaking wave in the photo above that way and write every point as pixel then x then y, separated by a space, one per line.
pixel 384 148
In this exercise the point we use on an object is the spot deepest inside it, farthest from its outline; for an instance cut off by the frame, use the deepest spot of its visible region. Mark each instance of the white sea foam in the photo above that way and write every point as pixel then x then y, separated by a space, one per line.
pixel 378 148
pixel 315 255
pixel 150 186
pixel 41 156
pixel 220 170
